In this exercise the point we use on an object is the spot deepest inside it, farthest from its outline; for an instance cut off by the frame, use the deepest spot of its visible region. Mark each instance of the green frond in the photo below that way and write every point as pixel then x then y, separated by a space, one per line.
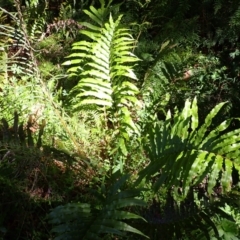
pixel 208 120
pixel 108 56
pixel 187 153
pixel 104 66
pixel 83 221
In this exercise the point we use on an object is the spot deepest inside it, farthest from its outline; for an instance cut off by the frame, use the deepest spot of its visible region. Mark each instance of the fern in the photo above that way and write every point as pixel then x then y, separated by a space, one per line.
pixel 104 67
pixel 178 221
pixel 83 221
pixel 17 49
pixel 217 6
pixel 35 17
pixel 186 152
pixel 106 55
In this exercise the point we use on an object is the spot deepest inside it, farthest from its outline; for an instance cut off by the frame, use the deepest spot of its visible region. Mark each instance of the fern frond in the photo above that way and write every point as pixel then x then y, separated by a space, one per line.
pixel 104 65
pixel 184 152
pixel 103 61
pixel 83 221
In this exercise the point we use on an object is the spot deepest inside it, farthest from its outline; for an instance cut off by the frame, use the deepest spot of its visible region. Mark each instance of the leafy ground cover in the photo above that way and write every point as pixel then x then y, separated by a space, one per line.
pixel 119 119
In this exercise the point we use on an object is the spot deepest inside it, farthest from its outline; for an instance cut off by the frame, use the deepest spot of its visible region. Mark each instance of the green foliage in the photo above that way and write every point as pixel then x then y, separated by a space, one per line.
pixel 185 152
pixel 32 176
pixel 108 53
pixel 104 67
pixel 228 226
pixel 19 89
pixel 81 220
pixel 198 42
pixel 190 160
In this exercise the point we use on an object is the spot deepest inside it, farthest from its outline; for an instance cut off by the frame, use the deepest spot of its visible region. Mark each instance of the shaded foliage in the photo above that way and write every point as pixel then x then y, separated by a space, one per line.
pixel 69 159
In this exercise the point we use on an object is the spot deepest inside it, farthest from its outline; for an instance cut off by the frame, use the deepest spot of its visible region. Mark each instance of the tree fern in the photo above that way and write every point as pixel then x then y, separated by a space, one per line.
pixel 83 221
pixel 185 152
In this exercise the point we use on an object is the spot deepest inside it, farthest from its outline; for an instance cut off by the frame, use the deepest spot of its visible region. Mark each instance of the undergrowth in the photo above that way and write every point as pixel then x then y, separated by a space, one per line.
pixel 109 153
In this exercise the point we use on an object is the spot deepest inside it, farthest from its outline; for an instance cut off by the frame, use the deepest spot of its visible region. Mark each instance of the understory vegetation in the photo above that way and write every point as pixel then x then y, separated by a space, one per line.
pixel 119 119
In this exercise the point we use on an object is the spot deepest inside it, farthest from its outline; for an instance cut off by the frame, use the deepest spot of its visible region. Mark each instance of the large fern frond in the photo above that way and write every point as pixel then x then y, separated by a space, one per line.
pixel 104 67
pixel 102 62
pixel 83 221
pixel 188 153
